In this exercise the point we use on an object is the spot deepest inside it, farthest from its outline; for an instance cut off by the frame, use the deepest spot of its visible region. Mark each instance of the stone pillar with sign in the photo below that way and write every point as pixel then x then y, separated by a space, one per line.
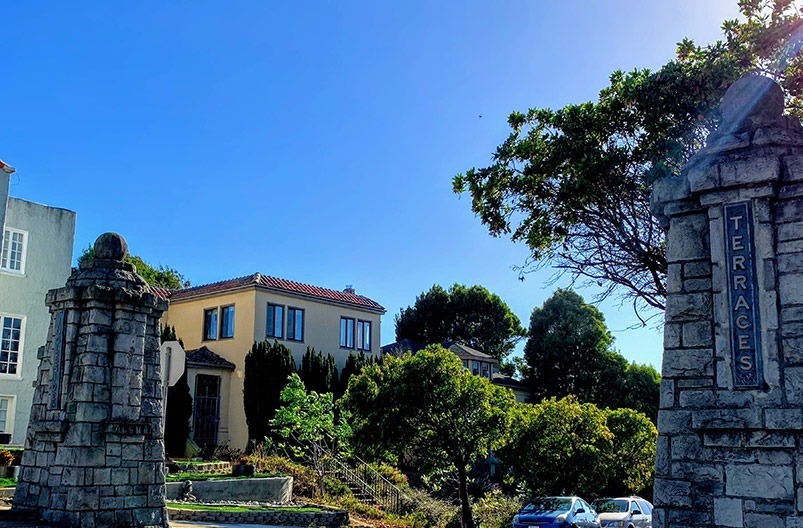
pixel 730 445
pixel 94 454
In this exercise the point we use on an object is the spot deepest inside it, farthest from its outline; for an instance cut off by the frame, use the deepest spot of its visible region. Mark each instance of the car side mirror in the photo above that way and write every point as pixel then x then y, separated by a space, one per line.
pixel 580 510
pixel 635 512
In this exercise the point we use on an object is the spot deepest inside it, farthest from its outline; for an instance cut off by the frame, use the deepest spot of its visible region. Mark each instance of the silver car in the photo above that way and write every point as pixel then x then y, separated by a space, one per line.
pixel 624 512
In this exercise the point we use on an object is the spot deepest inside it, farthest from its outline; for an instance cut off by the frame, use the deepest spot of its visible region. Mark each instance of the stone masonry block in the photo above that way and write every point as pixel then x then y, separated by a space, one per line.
pixel 672 493
pixel 672 334
pixel 698 334
pixel 688 307
pixel 693 270
pixel 751 170
pixel 784 419
pixel 793 386
pixel 790 289
pixel 791 313
pixel 790 231
pixel 763 520
pixel 686 447
pixel 759 480
pixel 672 421
pixel 726 419
pixel 728 512
pixel 688 238
pixel 769 439
pixel 697 362
pixel 697 398
pixel 667 398
pixel 790 263
pixel 792 350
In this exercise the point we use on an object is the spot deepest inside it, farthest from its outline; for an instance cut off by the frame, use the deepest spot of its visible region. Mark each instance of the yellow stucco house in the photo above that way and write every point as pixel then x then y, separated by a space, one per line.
pixel 219 322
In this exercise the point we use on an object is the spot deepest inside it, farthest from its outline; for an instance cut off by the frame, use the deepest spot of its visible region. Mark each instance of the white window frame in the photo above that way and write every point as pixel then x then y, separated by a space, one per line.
pixel 10 412
pixel 20 354
pixel 359 335
pixel 24 257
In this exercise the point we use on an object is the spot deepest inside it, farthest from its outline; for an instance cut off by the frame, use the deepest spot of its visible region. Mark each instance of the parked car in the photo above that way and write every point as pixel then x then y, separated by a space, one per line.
pixel 557 512
pixel 624 512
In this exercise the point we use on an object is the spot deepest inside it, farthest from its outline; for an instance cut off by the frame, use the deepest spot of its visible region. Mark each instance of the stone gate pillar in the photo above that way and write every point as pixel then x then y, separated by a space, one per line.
pixel 94 455
pixel 730 444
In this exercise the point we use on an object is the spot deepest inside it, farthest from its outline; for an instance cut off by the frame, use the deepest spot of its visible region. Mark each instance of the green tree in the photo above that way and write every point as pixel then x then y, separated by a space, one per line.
pixel 308 428
pixel 574 183
pixel 428 404
pixel 354 365
pixel 472 315
pixel 267 368
pixel 558 447
pixel 178 408
pixel 569 352
pixel 631 456
pixel 161 276
pixel 562 447
pixel 567 348
pixel 643 390
pixel 318 373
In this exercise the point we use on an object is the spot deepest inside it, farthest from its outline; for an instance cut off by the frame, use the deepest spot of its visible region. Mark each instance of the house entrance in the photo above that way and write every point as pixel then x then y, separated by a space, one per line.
pixel 207 410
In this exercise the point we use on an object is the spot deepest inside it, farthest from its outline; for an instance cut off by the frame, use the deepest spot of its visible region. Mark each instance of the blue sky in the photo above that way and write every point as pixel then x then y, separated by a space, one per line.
pixel 314 141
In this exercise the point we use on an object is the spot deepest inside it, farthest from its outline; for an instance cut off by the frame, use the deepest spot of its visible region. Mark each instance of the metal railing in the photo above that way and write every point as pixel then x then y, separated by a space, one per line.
pixel 365 483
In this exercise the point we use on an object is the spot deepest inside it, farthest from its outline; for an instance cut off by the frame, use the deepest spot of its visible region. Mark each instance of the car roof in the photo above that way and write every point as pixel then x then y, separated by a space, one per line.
pixel 633 497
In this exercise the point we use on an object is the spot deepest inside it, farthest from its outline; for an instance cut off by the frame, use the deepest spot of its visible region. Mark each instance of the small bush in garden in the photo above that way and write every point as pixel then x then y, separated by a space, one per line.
pixel 305 482
pixel 394 475
pixel 495 510
pixel 426 509
pixel 335 488
pixel 6 457
pixel 358 508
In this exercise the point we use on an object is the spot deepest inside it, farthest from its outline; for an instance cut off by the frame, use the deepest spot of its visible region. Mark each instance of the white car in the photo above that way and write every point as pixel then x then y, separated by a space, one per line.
pixel 624 512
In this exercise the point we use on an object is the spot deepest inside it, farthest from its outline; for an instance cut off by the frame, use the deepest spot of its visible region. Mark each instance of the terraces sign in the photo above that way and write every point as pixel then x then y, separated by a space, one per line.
pixel 740 256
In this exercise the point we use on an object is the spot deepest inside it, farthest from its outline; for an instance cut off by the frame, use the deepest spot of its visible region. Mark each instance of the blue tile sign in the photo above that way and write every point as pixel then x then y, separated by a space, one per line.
pixel 745 332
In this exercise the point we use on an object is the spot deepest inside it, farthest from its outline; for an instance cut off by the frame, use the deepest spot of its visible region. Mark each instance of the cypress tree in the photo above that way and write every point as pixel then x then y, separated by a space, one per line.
pixel 267 367
pixel 178 410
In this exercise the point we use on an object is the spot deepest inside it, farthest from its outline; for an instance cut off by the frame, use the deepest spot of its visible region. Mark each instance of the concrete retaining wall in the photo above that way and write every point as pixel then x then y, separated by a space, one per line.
pixel 329 519
pixel 271 489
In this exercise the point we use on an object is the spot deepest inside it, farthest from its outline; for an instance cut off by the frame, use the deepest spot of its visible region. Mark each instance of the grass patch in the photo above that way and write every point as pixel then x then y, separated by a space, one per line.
pixel 197 477
pixel 8 482
pixel 228 508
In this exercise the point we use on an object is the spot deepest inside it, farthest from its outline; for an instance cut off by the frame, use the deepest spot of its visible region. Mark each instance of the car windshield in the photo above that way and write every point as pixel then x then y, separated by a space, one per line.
pixel 549 504
pixel 610 506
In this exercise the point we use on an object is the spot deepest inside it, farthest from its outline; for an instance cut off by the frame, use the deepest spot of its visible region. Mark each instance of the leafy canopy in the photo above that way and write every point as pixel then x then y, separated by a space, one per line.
pixel 428 405
pixel 471 315
pixel 161 276
pixel 574 183
pixel 306 424
pixel 569 352
pixel 564 447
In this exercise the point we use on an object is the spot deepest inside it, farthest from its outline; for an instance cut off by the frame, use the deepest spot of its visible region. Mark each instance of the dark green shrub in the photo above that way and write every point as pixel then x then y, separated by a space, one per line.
pixel 267 367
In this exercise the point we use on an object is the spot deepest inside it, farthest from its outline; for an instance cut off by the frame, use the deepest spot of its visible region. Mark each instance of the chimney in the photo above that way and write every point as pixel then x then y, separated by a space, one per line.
pixel 349 289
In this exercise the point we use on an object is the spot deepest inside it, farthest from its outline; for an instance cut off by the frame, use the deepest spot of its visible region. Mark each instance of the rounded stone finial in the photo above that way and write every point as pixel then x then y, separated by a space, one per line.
pixel 111 246
pixel 752 98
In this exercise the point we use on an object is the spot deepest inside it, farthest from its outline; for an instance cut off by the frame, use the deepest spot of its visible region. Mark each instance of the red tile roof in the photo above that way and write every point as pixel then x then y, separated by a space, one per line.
pixel 281 285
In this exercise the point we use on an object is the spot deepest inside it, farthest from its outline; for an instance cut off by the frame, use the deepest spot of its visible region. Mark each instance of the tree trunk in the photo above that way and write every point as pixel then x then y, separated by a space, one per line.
pixel 466 519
